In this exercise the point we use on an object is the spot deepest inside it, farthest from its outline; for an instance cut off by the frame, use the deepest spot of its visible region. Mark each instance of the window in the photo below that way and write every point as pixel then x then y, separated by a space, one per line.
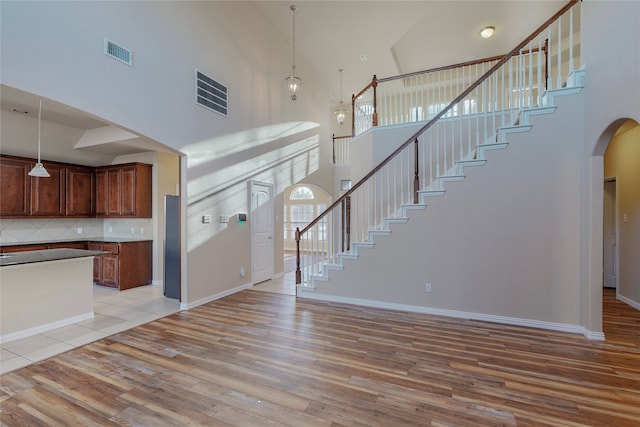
pixel 301 193
pixel 301 207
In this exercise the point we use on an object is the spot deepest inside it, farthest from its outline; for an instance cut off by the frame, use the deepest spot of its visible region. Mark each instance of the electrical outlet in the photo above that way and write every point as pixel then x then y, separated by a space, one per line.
pixel 427 287
pixel 79 230
pixel 133 230
pixel 224 219
pixel 141 230
pixel 206 219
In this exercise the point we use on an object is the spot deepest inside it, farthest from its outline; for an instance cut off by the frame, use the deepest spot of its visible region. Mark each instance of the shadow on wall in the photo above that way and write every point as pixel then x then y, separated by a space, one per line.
pixel 219 169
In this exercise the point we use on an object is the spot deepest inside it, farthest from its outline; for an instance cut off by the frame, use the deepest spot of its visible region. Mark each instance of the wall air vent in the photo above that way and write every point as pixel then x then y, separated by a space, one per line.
pixel 118 52
pixel 211 94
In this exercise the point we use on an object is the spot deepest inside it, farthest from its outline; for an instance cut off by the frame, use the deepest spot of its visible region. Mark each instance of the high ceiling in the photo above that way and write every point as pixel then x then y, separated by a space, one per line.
pixel 398 37
pixel 385 38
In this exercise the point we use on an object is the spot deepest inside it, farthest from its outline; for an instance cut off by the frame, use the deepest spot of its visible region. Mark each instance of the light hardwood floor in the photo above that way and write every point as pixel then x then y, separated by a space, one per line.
pixel 259 358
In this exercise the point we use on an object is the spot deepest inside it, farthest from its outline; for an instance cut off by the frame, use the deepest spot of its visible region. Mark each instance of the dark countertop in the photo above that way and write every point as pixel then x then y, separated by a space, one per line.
pixel 88 239
pixel 28 257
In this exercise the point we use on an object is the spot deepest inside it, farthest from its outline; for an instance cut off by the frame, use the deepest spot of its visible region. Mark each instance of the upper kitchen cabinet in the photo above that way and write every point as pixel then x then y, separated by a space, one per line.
pixel 48 195
pixel 16 188
pixel 80 191
pixel 124 191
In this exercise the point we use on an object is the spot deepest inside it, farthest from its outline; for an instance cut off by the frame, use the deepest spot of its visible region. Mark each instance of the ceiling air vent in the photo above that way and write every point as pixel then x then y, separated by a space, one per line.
pixel 118 52
pixel 211 94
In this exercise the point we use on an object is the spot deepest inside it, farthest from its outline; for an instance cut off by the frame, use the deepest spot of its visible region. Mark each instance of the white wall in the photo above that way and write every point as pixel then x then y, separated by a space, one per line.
pixel 62 60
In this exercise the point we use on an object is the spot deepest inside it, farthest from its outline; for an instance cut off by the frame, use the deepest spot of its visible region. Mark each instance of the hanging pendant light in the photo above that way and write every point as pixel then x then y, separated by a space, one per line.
pixel 293 82
pixel 39 170
pixel 341 112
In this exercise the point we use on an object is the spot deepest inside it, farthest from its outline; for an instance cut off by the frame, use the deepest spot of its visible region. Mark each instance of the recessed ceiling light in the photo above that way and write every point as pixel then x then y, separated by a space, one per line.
pixel 487 32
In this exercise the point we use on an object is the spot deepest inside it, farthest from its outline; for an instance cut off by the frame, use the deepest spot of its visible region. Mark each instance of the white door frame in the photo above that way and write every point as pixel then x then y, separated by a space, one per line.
pixel 616 255
pixel 252 185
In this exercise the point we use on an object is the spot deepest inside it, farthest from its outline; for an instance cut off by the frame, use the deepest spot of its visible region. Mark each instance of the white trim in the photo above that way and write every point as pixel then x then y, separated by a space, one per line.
pixel 628 301
pixel 516 321
pixel 24 333
pixel 190 305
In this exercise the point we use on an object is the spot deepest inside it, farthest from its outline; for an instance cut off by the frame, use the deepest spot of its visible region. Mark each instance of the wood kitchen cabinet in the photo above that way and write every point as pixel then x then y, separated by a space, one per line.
pixel 48 195
pixel 117 191
pixel 127 265
pixel 80 191
pixel 16 187
pixel 124 191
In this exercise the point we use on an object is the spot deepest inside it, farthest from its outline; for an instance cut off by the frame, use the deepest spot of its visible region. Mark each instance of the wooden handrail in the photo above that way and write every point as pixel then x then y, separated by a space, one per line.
pixel 462 96
pixel 458 65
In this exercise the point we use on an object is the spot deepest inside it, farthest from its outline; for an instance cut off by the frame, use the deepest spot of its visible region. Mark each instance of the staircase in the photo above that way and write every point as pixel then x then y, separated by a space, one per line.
pixel 497 106
pixel 478 157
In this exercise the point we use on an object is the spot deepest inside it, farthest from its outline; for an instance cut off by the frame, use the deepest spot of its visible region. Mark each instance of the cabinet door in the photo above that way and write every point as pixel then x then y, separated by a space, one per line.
pixel 48 194
pixel 110 269
pixel 15 187
pixel 80 191
pixel 114 184
pixel 128 191
pixel 102 191
pixel 97 261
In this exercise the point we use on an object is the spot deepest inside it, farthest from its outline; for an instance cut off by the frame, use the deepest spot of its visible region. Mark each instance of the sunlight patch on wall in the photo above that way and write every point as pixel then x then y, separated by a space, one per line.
pixel 233 198
pixel 217 180
pixel 204 151
pixel 217 177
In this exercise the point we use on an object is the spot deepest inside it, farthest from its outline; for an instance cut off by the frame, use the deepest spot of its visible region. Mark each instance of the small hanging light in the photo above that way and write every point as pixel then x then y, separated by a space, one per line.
pixel 39 170
pixel 293 82
pixel 341 112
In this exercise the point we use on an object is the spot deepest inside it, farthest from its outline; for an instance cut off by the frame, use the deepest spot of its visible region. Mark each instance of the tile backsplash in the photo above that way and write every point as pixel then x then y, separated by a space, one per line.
pixel 16 231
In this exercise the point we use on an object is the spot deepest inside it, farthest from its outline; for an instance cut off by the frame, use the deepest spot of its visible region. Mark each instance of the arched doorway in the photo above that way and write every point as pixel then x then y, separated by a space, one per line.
pixel 621 213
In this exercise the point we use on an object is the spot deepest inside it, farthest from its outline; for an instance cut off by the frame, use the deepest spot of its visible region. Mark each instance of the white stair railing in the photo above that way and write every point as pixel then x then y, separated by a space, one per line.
pixel 468 110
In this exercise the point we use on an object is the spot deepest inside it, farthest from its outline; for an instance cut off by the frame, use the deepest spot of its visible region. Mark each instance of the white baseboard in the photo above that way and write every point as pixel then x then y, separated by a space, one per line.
pixel 516 321
pixel 190 305
pixel 157 282
pixel 24 333
pixel 628 301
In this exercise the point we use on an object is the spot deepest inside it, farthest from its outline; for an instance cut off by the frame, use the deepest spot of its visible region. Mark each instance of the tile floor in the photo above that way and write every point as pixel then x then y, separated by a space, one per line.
pixel 114 312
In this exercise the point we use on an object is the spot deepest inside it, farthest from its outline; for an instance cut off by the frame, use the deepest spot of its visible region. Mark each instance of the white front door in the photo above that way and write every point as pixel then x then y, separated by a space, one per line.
pixel 609 253
pixel 261 220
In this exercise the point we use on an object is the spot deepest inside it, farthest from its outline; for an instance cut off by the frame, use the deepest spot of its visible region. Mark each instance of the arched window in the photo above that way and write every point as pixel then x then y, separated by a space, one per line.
pixel 300 209
pixel 301 193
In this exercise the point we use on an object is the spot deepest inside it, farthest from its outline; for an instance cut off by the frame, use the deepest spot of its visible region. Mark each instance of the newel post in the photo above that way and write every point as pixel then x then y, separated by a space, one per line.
pixel 298 272
pixel 374 83
pixel 416 176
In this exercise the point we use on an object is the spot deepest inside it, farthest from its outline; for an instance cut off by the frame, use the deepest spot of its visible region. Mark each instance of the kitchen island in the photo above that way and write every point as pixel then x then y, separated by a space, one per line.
pixel 43 290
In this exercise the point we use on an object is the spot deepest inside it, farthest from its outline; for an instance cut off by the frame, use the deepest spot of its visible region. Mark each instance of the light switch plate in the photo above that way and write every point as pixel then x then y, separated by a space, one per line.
pixel 206 219
pixel 224 219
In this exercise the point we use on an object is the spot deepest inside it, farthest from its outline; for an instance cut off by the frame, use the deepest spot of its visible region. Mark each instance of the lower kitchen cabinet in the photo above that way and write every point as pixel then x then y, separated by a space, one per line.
pixel 127 265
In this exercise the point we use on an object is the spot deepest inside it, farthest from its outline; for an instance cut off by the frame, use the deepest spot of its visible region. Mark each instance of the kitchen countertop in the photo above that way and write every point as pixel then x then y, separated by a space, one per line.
pixel 28 257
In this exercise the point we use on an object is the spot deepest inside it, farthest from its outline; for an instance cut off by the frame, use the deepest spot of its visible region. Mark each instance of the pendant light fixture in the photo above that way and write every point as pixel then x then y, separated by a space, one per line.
pixel 39 170
pixel 341 112
pixel 293 82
